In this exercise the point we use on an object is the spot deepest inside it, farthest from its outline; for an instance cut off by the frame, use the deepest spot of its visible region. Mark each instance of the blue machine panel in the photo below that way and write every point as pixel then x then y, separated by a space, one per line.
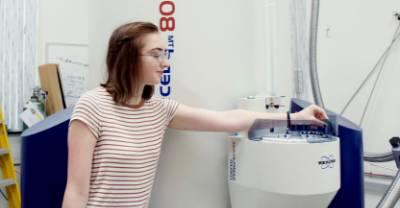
pixel 44 162
pixel 351 192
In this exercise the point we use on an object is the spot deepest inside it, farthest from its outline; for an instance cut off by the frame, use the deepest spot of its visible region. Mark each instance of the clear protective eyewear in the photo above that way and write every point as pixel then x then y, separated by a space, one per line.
pixel 160 56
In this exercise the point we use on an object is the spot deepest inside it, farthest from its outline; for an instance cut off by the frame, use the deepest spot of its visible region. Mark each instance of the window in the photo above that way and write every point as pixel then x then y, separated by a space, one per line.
pixel 18 57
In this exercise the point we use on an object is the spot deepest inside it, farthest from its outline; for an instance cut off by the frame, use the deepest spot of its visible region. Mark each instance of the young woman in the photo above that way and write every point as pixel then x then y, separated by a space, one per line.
pixel 116 130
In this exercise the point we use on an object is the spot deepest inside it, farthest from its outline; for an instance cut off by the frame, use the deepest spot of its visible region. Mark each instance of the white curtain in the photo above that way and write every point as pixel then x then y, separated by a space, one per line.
pixel 18 57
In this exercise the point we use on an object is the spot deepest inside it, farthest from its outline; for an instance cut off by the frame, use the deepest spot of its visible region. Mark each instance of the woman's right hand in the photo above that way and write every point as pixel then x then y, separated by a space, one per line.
pixel 312 113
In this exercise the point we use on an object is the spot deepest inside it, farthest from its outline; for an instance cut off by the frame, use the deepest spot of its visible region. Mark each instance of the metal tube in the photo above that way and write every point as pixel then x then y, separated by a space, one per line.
pixel 392 194
pixel 313 54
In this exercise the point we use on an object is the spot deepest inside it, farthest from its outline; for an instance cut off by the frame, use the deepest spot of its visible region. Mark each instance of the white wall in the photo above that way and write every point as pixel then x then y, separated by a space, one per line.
pixel 192 166
pixel 223 41
pixel 351 40
pixel 220 41
pixel 62 21
pixel 212 66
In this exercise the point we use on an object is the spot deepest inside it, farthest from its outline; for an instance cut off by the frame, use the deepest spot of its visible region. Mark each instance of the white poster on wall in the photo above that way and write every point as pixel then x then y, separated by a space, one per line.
pixel 72 60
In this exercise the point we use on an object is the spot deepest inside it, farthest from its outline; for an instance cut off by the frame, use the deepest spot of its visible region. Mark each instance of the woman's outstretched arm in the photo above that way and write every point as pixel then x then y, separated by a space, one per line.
pixel 189 118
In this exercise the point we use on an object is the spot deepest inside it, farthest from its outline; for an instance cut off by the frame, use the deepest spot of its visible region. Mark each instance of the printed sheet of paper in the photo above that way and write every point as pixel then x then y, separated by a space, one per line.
pixel 73 65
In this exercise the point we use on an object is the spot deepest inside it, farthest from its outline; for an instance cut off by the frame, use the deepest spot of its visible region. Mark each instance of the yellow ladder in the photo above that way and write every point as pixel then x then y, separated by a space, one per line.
pixel 9 181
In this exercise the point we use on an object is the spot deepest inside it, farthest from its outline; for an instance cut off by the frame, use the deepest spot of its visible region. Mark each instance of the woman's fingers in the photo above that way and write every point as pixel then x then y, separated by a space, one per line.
pixel 319 113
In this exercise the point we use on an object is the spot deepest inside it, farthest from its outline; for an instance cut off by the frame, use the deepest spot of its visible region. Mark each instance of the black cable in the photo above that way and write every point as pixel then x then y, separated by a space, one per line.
pixel 288 120
pixel 397 15
pixel 2 193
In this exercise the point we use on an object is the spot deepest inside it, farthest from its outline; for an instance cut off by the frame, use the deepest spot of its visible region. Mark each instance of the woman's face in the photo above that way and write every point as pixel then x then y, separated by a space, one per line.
pixel 153 59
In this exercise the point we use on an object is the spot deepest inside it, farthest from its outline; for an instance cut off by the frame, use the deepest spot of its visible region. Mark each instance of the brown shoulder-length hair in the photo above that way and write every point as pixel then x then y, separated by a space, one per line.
pixel 123 61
